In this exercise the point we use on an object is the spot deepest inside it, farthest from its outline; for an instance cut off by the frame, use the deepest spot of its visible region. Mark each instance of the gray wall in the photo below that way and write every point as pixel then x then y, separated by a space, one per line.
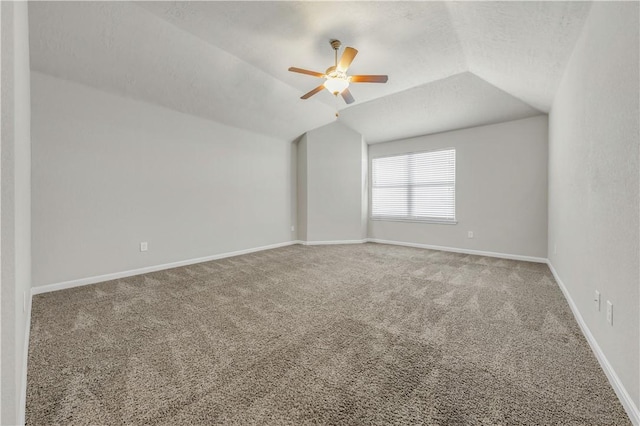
pixel 501 189
pixel 594 182
pixel 293 203
pixel 110 172
pixel 15 213
pixel 334 184
pixel 364 193
pixel 302 188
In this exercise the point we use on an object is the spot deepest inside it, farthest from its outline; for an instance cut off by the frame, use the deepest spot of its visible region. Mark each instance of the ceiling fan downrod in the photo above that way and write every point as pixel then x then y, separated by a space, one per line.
pixel 335 44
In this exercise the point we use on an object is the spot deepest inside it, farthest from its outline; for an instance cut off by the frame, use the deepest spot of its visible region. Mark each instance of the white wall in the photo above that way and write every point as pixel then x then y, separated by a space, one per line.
pixel 110 172
pixel 501 189
pixel 594 182
pixel 16 205
pixel 334 184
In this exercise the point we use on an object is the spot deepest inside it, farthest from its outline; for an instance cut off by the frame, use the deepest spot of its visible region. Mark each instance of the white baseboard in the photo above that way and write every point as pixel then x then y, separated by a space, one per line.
pixel 22 413
pixel 615 382
pixel 113 276
pixel 626 400
pixel 461 250
pixel 116 275
pixel 324 243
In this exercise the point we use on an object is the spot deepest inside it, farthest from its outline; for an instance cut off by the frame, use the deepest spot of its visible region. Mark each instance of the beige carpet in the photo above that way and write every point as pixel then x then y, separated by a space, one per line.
pixel 353 334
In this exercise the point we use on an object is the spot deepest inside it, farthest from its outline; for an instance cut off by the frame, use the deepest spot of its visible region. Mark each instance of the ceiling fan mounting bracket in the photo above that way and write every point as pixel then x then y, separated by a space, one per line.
pixel 335 44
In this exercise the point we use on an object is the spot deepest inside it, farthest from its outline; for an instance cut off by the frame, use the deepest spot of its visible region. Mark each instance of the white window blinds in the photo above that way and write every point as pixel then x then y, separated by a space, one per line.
pixel 416 186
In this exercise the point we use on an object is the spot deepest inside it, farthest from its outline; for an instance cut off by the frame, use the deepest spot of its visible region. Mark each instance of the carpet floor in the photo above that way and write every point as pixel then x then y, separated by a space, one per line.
pixel 350 334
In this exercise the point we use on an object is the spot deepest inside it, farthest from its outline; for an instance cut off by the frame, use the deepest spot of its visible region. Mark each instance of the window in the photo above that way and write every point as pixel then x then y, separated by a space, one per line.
pixel 418 186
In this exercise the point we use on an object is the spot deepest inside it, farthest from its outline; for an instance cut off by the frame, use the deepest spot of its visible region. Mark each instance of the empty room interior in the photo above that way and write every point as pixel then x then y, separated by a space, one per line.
pixel 307 212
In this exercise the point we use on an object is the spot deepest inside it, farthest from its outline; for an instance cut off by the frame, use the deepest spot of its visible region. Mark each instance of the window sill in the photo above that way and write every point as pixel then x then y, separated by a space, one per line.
pixel 436 221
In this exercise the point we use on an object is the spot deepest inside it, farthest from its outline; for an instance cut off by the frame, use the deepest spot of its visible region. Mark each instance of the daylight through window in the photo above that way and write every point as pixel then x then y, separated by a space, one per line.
pixel 417 186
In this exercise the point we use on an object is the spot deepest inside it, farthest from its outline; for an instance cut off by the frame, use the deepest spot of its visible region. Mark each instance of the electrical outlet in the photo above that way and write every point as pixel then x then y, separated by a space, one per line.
pixel 609 312
pixel 144 246
pixel 470 234
pixel 596 300
pixel 293 228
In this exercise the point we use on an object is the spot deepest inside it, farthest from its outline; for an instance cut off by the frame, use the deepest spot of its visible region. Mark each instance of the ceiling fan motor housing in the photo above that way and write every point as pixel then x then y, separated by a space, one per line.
pixel 336 78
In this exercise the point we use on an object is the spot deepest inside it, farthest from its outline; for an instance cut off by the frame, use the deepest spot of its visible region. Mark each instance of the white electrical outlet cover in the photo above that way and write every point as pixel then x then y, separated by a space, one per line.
pixel 470 234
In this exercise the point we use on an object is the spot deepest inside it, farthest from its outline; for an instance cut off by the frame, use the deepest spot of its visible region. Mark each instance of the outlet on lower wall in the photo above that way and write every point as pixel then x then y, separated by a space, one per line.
pixel 609 312
pixel 470 234
pixel 144 246
pixel 293 228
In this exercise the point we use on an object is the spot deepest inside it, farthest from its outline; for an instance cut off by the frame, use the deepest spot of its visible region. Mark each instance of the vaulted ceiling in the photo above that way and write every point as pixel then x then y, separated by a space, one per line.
pixel 450 64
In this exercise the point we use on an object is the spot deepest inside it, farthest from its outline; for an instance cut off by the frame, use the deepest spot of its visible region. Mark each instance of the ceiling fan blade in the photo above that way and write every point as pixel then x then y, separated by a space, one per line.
pixel 347 96
pixel 303 71
pixel 368 78
pixel 313 92
pixel 346 59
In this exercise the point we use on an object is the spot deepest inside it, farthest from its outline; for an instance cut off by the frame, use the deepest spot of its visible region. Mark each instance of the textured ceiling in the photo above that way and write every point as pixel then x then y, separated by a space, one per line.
pixel 520 47
pixel 400 39
pixel 450 64
pixel 451 103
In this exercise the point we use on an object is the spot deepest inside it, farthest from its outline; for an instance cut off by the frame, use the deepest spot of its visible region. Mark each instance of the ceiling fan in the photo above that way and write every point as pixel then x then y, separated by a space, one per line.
pixel 336 78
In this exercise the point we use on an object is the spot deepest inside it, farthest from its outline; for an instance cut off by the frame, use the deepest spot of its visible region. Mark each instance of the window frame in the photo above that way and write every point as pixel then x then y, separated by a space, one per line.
pixel 414 219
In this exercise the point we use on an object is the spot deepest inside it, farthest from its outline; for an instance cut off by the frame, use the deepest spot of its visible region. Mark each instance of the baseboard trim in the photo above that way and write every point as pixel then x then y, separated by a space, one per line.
pixel 336 242
pixel 616 384
pixel 461 250
pixel 624 397
pixel 116 275
pixel 22 414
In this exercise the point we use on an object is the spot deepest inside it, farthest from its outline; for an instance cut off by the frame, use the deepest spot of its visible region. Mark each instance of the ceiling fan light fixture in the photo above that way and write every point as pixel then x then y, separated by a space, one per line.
pixel 335 85
pixel 336 78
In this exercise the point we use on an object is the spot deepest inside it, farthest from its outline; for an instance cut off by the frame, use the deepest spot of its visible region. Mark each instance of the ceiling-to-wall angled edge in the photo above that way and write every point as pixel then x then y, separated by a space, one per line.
pixel 122 48
pixel 455 102
pixel 450 64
